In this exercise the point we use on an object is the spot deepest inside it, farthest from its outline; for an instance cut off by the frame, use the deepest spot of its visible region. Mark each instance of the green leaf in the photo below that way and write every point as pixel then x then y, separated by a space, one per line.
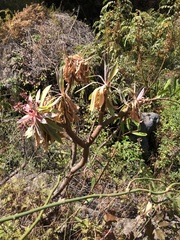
pixel 44 94
pixel 55 135
pixel 162 93
pixel 93 181
pixel 52 133
pixel 54 125
pixel 128 121
pixel 137 124
pixel 110 106
pixel 78 219
pixel 90 96
pixel 140 134
pixel 113 72
pixel 167 84
pixel 54 103
pixel 122 126
pixel 49 105
pixel 89 200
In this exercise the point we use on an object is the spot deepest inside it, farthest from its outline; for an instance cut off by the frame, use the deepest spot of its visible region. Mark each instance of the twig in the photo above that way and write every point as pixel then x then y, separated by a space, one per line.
pixel 29 229
pixel 13 173
pixel 143 178
pixel 117 194
pixel 104 169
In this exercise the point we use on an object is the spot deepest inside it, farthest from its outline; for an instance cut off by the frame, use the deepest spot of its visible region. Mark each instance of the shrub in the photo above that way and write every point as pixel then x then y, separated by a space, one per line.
pixel 169 152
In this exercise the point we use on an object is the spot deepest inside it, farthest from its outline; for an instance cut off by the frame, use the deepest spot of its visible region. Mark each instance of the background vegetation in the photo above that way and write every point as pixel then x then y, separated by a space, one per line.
pixel 145 45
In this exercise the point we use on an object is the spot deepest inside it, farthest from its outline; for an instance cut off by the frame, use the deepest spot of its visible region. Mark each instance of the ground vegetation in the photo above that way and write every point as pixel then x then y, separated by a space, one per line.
pixel 69 97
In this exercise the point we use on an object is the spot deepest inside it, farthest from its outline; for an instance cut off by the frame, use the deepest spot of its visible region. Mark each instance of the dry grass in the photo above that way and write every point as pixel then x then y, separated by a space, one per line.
pixel 35 41
pixel 16 27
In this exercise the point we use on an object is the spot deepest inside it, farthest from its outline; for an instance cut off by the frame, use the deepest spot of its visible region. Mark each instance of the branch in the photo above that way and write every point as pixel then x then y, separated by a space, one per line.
pixel 94 134
pixel 74 169
pixel 13 173
pixel 98 129
pixel 141 190
pixel 29 229
pixel 74 136
pixel 144 178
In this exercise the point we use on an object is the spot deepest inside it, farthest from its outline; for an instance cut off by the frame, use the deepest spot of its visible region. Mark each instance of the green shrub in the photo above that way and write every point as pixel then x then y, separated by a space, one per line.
pixel 168 161
pixel 145 44
pixel 127 161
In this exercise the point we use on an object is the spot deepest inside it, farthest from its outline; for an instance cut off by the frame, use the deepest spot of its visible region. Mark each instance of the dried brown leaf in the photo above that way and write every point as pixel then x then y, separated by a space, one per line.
pixel 76 69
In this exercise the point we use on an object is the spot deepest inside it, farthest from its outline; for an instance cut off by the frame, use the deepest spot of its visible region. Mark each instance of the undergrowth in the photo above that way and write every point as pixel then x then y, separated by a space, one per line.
pixel 145 45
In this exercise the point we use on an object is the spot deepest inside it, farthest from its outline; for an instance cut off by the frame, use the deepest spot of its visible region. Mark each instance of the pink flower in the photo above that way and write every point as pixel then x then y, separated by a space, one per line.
pixel 31 113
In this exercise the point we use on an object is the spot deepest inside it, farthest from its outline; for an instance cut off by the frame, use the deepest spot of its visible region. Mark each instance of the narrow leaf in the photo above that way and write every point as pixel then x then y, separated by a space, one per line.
pixel 44 94
pixel 30 132
pixel 54 125
pixel 113 72
pixel 49 105
pixel 94 98
pixel 24 119
pixel 93 181
pixel 52 133
pixel 163 93
pixel 167 84
pixel 141 134
pixel 60 80
pixel 140 95
pixel 38 95
pixel 128 123
pixel 137 124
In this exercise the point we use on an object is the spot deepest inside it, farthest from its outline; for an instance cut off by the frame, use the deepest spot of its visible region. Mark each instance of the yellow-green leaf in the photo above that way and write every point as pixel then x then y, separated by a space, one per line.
pixel 94 98
pixel 113 72
pixel 49 105
pixel 140 134
pixel 110 106
pixel 167 84
pixel 44 94
pixel 38 95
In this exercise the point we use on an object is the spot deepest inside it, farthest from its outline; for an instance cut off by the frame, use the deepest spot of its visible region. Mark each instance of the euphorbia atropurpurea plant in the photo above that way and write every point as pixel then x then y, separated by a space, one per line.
pixel 51 118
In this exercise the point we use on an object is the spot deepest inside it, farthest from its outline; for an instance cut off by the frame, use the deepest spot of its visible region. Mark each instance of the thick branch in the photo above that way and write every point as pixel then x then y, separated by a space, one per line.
pixel 94 134
pixel 74 169
pixel 98 129
pixel 74 136
pixel 82 162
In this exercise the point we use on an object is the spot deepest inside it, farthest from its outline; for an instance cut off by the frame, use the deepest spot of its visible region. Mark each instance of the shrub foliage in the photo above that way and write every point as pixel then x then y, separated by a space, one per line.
pixel 69 95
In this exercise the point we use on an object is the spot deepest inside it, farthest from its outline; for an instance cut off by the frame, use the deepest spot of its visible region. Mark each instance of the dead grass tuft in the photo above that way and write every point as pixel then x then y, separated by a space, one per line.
pixel 16 27
pixel 34 43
